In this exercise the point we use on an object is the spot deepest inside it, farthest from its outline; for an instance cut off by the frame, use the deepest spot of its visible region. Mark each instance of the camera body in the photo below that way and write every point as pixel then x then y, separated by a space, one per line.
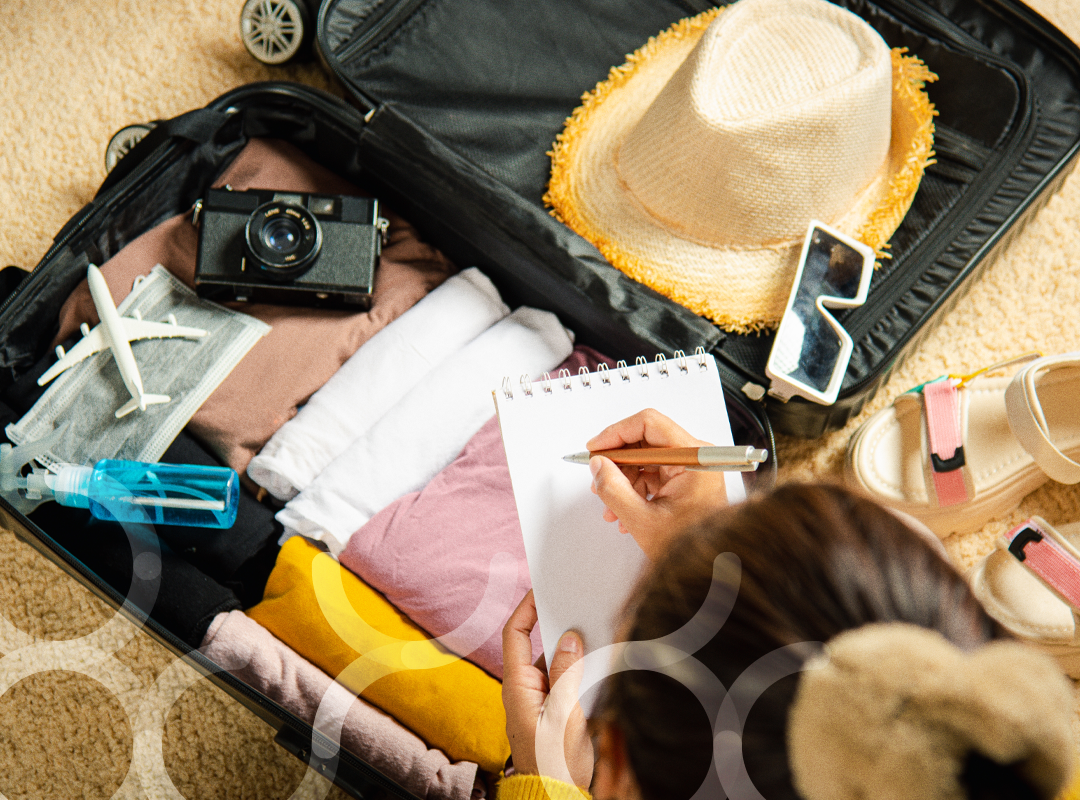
pixel 288 248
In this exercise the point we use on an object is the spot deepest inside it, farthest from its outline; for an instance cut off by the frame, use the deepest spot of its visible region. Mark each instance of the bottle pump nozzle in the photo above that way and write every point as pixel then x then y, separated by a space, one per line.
pixel 27 492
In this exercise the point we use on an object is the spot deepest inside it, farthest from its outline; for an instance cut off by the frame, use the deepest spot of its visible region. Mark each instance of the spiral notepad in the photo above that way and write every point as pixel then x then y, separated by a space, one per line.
pixel 581 567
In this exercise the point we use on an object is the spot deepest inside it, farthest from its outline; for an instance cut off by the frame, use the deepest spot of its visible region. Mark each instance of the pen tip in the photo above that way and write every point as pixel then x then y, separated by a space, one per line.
pixel 578 458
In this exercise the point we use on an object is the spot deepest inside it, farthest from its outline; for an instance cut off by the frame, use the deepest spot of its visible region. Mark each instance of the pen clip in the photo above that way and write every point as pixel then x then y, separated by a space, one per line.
pixel 748 467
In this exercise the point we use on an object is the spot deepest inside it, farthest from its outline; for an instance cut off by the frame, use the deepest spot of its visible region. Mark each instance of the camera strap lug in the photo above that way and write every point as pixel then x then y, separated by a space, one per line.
pixel 383 224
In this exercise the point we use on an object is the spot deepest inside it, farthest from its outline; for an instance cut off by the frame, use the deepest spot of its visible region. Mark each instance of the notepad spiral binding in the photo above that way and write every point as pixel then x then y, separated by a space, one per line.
pixel 625 373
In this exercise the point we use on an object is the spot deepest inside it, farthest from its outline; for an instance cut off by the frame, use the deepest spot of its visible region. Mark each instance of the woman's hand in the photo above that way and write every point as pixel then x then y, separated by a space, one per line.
pixel 543 717
pixel 653 504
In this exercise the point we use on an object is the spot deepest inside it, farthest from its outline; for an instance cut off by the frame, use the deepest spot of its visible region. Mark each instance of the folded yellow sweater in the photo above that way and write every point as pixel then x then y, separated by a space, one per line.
pixel 342 625
pixel 538 787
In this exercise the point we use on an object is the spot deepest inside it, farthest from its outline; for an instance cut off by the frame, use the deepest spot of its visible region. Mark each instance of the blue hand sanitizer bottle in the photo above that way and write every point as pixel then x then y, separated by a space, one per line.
pixel 160 494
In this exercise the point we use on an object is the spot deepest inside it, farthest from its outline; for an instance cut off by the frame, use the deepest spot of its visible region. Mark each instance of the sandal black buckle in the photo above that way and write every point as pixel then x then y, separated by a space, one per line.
pixel 1029 535
pixel 948 464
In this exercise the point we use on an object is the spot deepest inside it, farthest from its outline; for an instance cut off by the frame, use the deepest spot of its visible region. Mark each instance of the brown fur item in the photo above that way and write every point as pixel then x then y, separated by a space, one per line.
pixel 892 711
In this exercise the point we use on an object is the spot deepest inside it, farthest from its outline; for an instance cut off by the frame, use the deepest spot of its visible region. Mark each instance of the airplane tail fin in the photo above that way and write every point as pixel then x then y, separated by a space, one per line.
pixel 141 403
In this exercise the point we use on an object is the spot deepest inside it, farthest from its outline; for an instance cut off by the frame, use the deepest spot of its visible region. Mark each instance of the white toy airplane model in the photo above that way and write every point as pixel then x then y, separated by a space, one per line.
pixel 117 332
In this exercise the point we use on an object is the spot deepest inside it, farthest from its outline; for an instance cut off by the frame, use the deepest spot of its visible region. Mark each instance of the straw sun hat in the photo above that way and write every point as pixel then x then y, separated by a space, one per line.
pixel 696 167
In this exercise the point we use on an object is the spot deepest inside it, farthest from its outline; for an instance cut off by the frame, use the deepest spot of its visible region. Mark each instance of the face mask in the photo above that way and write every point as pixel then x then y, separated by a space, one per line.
pixel 86 396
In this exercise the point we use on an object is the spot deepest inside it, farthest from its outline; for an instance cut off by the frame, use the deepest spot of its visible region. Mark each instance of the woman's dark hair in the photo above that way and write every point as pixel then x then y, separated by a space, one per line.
pixel 816 560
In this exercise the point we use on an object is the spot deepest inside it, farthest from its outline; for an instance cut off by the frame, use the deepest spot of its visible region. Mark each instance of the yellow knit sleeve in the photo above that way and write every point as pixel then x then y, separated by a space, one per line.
pixel 1072 791
pixel 538 787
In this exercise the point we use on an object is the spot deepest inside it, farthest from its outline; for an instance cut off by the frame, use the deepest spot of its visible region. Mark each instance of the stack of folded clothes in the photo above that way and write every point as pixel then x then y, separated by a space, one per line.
pixel 411 617
pixel 369 437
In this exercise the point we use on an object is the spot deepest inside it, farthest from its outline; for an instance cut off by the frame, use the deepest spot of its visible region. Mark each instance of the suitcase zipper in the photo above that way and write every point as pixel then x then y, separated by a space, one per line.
pixel 385 17
pixel 883 296
pixel 75 225
pixel 133 183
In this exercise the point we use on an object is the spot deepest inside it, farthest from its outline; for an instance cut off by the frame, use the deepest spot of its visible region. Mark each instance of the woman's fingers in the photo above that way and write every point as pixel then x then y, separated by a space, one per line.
pixel 568 652
pixel 649 502
pixel 648 427
pixel 621 499
pixel 625 504
pixel 524 687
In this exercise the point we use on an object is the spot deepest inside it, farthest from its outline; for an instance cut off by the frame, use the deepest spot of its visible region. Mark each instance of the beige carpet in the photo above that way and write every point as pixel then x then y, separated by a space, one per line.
pixel 72 72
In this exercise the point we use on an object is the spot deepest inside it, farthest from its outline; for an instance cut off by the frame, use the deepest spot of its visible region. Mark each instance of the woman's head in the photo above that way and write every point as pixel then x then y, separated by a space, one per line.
pixel 816 561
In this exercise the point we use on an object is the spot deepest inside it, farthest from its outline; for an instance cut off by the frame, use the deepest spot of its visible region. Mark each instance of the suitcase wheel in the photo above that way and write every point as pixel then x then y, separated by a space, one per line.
pixel 274 31
pixel 123 140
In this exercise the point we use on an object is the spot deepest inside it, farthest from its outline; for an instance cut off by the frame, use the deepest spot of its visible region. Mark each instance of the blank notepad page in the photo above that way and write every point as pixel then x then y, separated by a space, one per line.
pixel 582 568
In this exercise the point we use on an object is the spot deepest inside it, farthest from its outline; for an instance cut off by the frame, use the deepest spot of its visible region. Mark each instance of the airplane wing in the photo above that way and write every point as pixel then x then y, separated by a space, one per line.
pixel 134 329
pixel 87 346
pixel 141 329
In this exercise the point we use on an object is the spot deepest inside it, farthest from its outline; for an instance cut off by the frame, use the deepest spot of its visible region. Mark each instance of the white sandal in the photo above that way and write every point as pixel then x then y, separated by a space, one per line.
pixel 961 450
pixel 1031 585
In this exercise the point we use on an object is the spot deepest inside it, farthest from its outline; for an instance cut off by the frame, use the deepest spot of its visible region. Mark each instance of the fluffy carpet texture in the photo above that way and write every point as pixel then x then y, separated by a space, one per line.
pixel 92 707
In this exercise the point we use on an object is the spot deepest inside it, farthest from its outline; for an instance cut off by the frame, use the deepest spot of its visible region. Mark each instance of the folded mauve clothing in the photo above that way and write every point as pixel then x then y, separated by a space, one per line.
pixel 426 430
pixel 246 649
pixel 379 374
pixel 342 625
pixel 305 346
pixel 430 552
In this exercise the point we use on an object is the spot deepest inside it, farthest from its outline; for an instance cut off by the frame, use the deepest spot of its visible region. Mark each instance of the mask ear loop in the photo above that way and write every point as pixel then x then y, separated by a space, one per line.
pixel 960 381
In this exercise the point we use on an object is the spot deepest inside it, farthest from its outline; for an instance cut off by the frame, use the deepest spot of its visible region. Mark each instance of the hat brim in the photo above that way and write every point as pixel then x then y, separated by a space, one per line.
pixel 740 289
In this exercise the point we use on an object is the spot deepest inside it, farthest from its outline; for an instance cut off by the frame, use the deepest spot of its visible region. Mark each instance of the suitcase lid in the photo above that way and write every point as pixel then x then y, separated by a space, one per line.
pixel 491 82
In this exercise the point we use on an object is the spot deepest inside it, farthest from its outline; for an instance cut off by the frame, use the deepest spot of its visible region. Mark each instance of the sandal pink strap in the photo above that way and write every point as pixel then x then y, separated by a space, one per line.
pixel 1034 544
pixel 942 399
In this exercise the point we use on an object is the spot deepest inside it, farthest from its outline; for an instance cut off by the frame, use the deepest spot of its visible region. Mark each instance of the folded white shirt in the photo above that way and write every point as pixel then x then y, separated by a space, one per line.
pixel 424 432
pixel 376 377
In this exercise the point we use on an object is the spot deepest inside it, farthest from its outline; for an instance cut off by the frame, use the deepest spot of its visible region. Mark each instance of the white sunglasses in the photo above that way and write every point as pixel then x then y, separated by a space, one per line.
pixel 811 351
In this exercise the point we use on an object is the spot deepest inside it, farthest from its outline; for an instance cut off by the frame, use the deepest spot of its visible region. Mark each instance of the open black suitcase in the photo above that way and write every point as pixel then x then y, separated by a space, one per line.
pixel 456 105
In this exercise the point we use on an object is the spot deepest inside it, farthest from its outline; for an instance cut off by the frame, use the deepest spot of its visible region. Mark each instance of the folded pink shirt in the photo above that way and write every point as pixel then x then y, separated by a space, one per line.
pixel 244 648
pixel 433 552
pixel 305 346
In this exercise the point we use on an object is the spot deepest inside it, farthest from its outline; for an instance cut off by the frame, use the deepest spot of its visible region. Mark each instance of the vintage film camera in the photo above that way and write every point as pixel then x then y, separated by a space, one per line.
pixel 288 248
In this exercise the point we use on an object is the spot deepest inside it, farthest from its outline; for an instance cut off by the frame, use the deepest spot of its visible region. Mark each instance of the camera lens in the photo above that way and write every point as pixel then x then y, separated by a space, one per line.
pixel 283 239
pixel 282 235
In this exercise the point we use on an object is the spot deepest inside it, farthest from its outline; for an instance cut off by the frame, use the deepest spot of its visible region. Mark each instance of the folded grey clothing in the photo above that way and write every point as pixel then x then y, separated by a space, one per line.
pixel 85 397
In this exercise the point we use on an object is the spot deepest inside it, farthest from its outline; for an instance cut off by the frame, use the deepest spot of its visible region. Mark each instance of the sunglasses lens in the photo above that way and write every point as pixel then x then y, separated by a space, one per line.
pixel 807 350
pixel 832 268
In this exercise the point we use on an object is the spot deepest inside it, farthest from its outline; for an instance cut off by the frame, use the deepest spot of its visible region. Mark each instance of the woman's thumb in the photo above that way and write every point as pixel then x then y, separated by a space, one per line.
pixel 560 711
pixel 569 651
